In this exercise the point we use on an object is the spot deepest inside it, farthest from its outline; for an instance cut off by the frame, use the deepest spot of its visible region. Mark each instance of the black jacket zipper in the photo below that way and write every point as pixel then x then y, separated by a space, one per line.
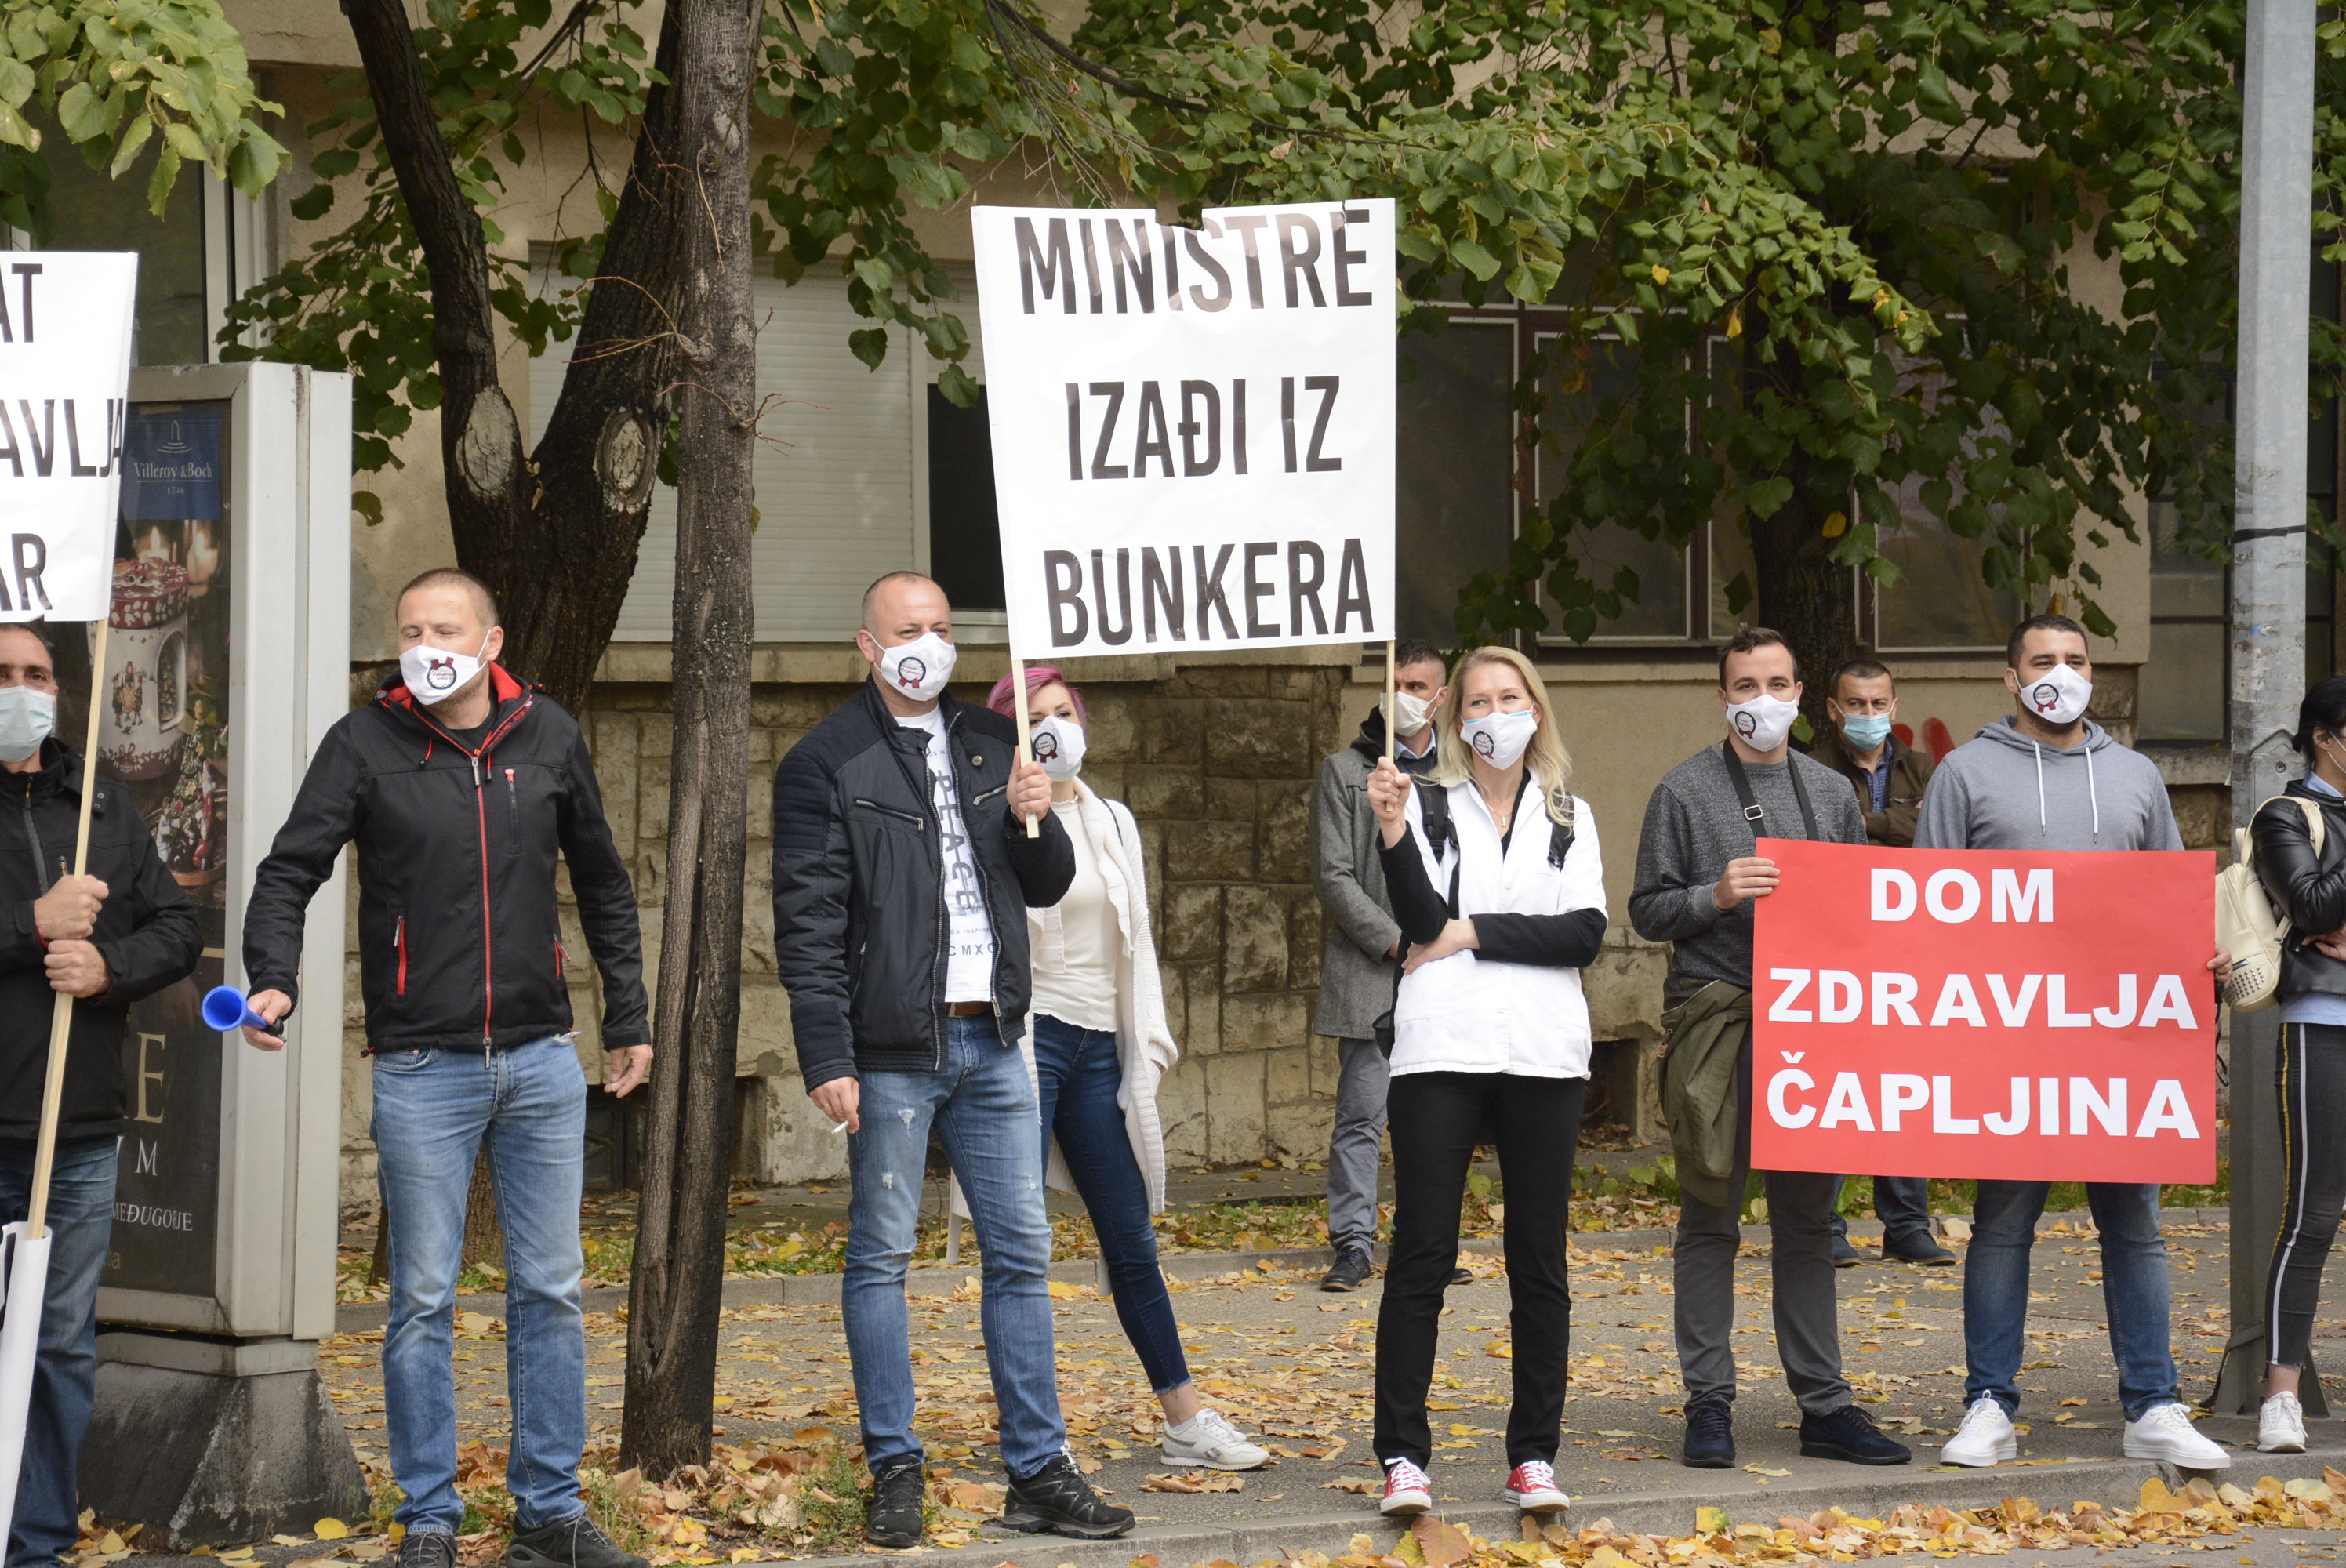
pixel 481 815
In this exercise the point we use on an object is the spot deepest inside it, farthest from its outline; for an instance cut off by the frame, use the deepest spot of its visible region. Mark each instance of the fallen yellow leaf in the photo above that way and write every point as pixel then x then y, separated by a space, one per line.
pixel 329 1530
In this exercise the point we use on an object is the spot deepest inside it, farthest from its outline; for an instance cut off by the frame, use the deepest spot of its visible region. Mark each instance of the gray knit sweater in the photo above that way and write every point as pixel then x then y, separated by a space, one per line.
pixel 1694 826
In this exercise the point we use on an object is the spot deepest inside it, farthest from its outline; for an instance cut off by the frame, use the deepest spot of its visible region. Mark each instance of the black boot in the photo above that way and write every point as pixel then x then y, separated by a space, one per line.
pixel 426 1548
pixel 575 1543
pixel 894 1516
pixel 1349 1272
pixel 1056 1499
pixel 1849 1433
pixel 1709 1436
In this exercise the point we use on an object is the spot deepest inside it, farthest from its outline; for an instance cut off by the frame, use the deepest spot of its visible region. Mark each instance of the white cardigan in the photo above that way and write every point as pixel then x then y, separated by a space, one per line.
pixel 1144 1041
pixel 1464 1013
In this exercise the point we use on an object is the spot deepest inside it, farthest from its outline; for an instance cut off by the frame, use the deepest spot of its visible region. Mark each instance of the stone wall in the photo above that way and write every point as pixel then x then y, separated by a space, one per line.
pixel 1216 757
pixel 1216 761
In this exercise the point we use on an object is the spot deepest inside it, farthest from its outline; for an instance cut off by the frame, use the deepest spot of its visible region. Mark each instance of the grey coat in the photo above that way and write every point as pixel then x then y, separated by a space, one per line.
pixel 1356 978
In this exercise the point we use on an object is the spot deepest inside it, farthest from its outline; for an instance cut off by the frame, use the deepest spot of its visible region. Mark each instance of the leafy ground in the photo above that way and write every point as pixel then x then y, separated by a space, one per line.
pixel 1609 1197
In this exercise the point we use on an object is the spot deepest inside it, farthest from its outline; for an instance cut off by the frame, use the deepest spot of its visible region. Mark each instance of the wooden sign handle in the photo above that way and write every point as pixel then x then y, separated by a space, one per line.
pixel 53 1085
pixel 1392 718
pixel 1026 740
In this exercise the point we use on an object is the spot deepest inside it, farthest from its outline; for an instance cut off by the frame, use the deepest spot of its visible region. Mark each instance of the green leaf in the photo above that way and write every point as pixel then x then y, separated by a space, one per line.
pixel 81 113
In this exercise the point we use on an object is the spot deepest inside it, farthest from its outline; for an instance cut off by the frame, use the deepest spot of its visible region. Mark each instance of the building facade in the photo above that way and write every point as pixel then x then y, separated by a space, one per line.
pixel 868 471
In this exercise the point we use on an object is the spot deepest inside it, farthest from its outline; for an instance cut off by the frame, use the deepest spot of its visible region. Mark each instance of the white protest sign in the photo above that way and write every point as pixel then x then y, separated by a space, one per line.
pixel 65 397
pixel 1192 429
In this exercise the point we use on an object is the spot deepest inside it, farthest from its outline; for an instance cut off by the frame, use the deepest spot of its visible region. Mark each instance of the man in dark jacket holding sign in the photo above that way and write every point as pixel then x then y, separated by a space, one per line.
pixel 1699 873
pixel 903 874
pixel 464 789
pixel 122 931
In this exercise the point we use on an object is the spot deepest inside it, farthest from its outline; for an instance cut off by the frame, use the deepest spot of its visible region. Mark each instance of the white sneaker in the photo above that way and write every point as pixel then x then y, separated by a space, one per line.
pixel 2280 1425
pixel 1531 1486
pixel 1408 1490
pixel 1212 1443
pixel 1984 1439
pixel 2165 1432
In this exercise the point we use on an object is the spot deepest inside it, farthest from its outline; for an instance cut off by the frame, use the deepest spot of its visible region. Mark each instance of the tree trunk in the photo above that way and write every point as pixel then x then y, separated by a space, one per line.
pixel 679 1263
pixel 1803 593
pixel 518 524
pixel 1799 590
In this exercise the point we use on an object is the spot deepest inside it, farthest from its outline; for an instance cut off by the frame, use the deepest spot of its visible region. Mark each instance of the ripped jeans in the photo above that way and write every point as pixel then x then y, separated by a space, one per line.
pixel 984 1109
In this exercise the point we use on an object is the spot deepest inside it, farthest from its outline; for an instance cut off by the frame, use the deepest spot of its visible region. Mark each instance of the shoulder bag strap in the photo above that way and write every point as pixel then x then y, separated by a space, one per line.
pixel 1752 814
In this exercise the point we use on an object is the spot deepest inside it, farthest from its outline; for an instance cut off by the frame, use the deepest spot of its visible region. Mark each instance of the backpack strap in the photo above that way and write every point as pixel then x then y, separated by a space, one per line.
pixel 1433 806
pixel 2316 827
pixel 1559 843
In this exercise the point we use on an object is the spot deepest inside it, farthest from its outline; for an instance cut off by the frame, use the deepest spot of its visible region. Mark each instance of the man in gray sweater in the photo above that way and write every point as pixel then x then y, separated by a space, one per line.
pixel 1363 954
pixel 2048 778
pixel 1698 877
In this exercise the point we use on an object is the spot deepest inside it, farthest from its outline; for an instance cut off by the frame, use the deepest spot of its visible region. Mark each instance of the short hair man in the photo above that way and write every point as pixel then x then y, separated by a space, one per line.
pixel 121 931
pixel 1889 777
pixel 463 789
pixel 1363 960
pixel 1698 877
pixel 2046 777
pixel 903 874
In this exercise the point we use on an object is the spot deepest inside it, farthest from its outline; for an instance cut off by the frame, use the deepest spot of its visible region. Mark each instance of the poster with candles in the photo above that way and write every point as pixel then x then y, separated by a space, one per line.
pixel 163 735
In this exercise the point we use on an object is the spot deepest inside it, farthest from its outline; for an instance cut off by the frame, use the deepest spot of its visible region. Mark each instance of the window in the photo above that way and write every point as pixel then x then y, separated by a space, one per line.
pixel 964 530
pixel 834 469
pixel 1664 608
pixel 1454 502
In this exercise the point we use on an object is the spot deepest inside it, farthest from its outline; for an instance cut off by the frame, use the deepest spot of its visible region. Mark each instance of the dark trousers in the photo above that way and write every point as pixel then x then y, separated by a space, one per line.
pixel 1078 1076
pixel 1902 1205
pixel 2311 1077
pixel 1436 1118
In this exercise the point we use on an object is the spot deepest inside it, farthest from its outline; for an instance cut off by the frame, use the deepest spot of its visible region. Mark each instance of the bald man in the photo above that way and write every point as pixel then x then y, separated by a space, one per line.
pixel 903 874
pixel 463 789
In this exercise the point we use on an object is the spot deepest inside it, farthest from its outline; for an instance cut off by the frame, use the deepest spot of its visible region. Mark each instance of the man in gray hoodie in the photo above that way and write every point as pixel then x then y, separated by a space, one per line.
pixel 2047 778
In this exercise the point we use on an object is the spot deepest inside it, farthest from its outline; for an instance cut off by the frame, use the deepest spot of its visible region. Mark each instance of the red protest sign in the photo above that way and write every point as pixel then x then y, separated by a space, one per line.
pixel 1973 1013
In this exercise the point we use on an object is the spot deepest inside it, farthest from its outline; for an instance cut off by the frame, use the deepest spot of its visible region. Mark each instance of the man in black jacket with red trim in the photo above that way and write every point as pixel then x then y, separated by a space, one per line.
pixel 903 874
pixel 463 789
pixel 122 931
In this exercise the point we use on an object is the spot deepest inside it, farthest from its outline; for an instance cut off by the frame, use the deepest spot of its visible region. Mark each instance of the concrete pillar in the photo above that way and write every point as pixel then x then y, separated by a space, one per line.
pixel 2267 590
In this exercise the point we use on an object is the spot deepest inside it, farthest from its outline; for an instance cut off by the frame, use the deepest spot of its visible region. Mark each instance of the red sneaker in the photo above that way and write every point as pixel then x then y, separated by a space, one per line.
pixel 1531 1486
pixel 1407 1489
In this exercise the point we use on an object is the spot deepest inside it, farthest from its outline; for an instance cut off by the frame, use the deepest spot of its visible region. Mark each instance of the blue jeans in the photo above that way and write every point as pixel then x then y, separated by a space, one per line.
pixel 431 1109
pixel 2134 1290
pixel 983 1107
pixel 1080 1075
pixel 64 1377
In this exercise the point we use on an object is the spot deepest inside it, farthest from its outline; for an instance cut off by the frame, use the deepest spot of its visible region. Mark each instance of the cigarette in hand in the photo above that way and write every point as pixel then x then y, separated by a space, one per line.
pixel 839 1126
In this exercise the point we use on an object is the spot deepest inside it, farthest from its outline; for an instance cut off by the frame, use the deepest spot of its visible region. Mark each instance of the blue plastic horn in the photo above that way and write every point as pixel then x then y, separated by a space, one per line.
pixel 225 1009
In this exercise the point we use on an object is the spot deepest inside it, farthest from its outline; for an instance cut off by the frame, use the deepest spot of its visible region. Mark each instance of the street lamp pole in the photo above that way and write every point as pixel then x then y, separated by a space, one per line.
pixel 2268 631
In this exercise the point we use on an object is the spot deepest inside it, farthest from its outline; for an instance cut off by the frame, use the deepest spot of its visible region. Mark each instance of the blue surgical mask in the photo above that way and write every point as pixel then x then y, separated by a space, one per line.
pixel 26 718
pixel 1865 731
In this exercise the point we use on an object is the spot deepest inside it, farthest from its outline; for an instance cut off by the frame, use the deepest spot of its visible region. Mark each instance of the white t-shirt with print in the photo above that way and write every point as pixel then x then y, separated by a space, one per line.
pixel 969 959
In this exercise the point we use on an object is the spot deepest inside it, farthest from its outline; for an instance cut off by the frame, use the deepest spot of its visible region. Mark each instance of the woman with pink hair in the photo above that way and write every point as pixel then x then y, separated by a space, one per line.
pixel 1098 1045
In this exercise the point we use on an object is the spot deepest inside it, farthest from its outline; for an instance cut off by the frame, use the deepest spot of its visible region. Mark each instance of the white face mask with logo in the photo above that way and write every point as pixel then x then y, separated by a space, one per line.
pixel 2059 698
pixel 1499 738
pixel 1058 746
pixel 1410 713
pixel 1763 722
pixel 919 668
pixel 434 675
pixel 26 717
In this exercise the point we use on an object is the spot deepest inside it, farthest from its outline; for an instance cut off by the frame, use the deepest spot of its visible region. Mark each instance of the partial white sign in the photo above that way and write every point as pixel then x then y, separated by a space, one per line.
pixel 64 393
pixel 1192 429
